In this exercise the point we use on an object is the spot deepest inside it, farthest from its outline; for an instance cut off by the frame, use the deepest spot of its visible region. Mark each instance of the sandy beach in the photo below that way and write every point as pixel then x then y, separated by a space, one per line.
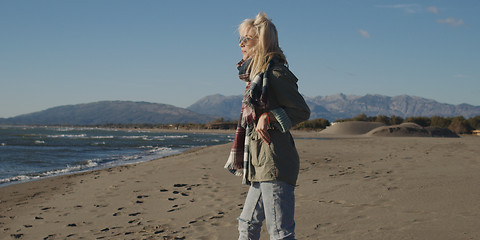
pixel 350 187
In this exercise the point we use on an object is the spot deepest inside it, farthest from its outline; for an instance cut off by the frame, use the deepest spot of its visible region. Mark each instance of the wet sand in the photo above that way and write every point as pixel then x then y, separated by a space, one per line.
pixel 350 187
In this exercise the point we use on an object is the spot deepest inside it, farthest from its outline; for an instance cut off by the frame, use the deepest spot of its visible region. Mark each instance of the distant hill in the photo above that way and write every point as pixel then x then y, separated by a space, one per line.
pixel 103 112
pixel 338 106
pixel 227 107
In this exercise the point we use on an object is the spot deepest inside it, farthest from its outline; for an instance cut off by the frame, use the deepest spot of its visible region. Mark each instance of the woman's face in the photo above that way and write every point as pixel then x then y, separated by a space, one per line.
pixel 247 41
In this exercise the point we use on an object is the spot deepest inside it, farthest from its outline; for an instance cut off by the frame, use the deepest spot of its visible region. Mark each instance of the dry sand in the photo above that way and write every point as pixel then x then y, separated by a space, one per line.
pixel 349 188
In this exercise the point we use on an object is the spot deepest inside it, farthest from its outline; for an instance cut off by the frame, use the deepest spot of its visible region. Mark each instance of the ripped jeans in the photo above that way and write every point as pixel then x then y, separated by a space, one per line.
pixel 273 201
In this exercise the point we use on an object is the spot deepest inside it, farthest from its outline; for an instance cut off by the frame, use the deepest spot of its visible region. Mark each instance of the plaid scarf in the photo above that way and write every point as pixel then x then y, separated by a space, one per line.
pixel 255 97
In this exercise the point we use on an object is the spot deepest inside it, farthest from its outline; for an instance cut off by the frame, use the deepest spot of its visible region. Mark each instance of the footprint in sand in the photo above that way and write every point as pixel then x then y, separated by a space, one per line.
pixel 141 197
pixel 21 203
pixel 219 215
pixel 51 236
pixel 322 225
pixel 176 207
pixel 100 205
pixel 118 213
pixel 17 236
pixel 136 221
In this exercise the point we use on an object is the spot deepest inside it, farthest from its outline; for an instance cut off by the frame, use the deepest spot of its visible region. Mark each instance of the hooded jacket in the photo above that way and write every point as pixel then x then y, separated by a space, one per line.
pixel 279 160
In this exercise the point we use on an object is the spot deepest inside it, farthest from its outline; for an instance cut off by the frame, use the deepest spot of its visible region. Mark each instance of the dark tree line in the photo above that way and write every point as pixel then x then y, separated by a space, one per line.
pixel 315 124
pixel 459 124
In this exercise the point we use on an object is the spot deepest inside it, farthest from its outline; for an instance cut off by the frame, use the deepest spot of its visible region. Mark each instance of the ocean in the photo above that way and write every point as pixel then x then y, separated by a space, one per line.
pixel 30 153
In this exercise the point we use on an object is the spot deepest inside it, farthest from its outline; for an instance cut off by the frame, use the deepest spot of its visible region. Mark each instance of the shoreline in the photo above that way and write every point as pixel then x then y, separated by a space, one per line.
pixel 300 134
pixel 72 169
pixel 348 188
pixel 96 169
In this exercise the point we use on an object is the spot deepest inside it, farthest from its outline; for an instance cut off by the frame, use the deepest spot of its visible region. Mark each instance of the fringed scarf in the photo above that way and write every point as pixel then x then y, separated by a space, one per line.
pixel 255 97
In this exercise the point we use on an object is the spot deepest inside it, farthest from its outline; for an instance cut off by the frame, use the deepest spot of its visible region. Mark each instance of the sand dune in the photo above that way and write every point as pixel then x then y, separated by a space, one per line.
pixel 351 128
pixel 410 130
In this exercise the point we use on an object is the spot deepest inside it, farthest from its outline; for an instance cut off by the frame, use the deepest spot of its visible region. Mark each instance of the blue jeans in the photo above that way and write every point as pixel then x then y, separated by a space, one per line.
pixel 271 201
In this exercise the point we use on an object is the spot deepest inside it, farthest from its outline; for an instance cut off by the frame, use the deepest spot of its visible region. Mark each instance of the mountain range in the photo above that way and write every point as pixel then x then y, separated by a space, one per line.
pixel 343 106
pixel 330 107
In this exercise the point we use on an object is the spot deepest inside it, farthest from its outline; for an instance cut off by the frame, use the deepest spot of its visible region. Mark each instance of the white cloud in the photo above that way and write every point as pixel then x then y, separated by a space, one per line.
pixel 451 21
pixel 408 8
pixel 364 33
pixel 433 9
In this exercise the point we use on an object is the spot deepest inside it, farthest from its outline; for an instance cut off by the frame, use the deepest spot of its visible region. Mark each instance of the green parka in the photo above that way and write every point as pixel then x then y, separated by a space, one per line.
pixel 279 160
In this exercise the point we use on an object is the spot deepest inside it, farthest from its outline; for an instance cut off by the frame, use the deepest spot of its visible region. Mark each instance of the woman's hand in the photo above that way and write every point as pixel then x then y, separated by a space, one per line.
pixel 262 127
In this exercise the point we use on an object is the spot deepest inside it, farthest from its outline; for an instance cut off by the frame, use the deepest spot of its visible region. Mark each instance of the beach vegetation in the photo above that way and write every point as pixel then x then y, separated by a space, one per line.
pixel 422 121
pixel 459 125
pixel 395 120
pixel 360 117
pixel 474 122
pixel 441 122
pixel 315 124
pixel 383 119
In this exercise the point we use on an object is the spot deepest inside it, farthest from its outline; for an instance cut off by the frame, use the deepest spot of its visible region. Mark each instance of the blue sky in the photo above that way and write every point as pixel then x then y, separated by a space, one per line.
pixel 175 52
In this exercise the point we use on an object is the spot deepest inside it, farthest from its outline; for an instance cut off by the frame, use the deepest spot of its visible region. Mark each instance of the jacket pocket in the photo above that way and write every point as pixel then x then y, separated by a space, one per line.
pixel 259 151
pixel 256 156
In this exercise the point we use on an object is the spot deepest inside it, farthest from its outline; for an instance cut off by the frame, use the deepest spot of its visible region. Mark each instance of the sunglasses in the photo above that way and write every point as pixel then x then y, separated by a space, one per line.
pixel 244 40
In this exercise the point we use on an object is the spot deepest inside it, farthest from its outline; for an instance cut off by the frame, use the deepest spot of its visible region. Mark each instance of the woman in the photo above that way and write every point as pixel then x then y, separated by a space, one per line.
pixel 263 150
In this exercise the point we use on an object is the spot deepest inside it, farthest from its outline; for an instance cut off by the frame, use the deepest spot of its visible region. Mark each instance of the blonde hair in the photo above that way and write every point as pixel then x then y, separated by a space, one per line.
pixel 267 46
